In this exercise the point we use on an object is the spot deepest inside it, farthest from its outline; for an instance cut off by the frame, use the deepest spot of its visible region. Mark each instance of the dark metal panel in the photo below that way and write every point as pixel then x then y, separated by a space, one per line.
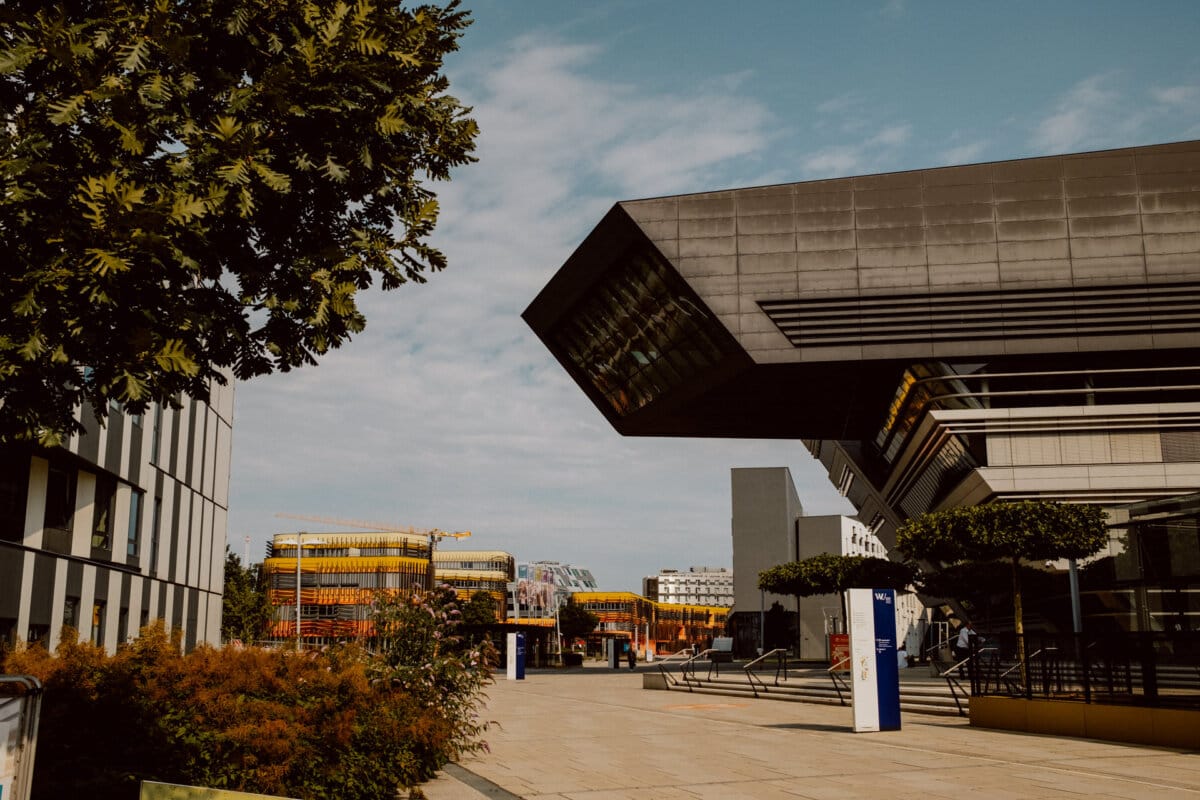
pixel 89 440
pixel 102 580
pixel 177 607
pixel 193 608
pixel 112 448
pixel 74 579
pixel 41 592
pixel 12 562
pixel 174 531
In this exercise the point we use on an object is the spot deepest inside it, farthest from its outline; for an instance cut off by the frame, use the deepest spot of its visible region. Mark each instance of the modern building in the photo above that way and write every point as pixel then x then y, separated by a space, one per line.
pixel 542 586
pixel 649 627
pixel 471 571
pixel 937 337
pixel 124 525
pixel 769 527
pixel 339 575
pixel 707 586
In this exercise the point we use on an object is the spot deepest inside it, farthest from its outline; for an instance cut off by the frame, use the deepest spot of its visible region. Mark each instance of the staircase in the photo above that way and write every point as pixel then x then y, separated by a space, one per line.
pixel 920 691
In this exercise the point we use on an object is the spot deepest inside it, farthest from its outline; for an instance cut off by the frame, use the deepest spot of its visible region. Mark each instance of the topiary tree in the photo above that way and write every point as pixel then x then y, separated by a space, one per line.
pixel 1029 530
pixel 827 573
pixel 202 187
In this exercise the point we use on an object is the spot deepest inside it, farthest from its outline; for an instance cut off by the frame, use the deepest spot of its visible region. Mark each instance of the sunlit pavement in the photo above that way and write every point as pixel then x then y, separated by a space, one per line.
pixel 595 734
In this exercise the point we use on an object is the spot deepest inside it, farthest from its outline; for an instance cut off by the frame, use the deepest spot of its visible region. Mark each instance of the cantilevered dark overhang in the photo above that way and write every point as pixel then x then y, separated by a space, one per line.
pixel 793 310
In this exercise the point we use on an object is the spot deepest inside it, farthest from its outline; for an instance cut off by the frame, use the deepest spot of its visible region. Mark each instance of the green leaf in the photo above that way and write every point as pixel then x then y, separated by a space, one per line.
pixel 225 128
pixel 133 56
pixel 174 356
pixel 104 263
pixel 335 171
pixel 66 112
pixel 188 207
pixel 275 180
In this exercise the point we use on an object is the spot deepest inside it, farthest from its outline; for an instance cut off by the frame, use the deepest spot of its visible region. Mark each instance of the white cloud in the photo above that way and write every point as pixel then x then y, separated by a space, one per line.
pixel 966 153
pixel 1183 97
pixel 891 136
pixel 1075 118
pixel 447 411
pixel 873 153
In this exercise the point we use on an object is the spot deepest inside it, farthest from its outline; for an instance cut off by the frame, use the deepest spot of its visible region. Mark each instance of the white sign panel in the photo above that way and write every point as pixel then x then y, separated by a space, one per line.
pixel 861 612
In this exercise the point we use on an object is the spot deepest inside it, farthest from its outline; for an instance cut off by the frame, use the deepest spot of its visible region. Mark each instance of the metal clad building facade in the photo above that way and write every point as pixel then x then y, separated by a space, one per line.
pixel 938 337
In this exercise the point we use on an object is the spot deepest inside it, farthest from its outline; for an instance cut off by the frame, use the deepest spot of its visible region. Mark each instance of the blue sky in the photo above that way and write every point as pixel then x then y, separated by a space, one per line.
pixel 447 412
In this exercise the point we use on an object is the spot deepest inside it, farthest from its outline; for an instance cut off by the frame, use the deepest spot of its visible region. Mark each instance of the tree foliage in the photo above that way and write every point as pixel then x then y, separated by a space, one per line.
pixel 480 609
pixel 245 609
pixel 833 574
pixel 332 723
pixel 575 621
pixel 197 188
pixel 1029 530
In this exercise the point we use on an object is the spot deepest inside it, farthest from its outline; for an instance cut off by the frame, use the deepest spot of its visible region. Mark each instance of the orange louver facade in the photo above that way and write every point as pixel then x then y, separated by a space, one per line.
pixel 628 616
pixel 339 575
pixel 471 571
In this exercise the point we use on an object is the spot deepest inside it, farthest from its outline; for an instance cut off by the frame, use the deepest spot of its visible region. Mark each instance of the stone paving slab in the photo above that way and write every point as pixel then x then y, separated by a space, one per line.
pixel 596 734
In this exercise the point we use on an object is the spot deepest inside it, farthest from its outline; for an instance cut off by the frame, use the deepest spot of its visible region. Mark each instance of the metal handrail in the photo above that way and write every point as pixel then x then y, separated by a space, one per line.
pixel 751 677
pixel 956 688
pixel 839 682
pixel 662 666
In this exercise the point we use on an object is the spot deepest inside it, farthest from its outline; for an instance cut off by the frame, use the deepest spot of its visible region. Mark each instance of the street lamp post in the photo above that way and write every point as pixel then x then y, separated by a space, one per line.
pixel 299 554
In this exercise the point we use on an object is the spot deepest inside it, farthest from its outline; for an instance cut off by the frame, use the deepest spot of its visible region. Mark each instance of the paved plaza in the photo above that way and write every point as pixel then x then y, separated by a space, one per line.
pixel 595 734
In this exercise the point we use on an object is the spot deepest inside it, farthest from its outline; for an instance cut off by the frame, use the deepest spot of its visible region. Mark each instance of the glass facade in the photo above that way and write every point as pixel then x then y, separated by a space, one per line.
pixel 640 333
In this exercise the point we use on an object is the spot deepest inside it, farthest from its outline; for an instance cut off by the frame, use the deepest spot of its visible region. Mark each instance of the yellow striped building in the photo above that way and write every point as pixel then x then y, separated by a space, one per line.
pixel 339 575
pixel 660 628
pixel 470 571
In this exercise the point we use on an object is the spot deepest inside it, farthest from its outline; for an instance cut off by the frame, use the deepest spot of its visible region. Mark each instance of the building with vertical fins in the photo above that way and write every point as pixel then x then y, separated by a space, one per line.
pixel 936 337
pixel 124 525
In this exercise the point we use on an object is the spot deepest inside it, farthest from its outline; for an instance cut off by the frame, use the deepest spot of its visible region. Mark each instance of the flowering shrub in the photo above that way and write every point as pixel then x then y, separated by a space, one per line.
pixel 339 723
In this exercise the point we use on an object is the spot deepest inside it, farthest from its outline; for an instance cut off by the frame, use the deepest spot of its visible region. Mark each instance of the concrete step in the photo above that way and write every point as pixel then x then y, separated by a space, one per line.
pixel 914 699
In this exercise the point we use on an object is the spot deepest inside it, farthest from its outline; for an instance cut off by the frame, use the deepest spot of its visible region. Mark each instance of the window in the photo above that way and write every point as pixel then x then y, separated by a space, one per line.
pixel 71 612
pixel 102 520
pixel 60 498
pixel 155 534
pixel 135 523
pixel 98 622
pixel 14 468
pixel 156 434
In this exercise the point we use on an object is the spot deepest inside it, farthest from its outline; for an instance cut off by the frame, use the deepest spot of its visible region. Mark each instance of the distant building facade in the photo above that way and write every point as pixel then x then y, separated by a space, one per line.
pixel 339 575
pixel 124 525
pixel 542 586
pixel 708 586
pixel 471 571
pixel 769 528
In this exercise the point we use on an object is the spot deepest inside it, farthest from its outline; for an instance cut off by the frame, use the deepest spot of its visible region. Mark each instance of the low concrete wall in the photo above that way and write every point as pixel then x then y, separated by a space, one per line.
pixel 1163 727
pixel 653 680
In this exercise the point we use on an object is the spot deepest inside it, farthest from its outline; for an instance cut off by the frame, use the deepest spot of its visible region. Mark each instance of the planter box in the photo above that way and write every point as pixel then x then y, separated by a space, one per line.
pixel 1162 727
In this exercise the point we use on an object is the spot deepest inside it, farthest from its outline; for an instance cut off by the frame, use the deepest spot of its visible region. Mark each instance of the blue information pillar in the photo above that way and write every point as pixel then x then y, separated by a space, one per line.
pixel 875 676
pixel 516 657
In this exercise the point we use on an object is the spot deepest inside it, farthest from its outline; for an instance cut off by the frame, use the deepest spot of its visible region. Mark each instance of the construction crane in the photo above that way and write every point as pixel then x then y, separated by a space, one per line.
pixel 434 534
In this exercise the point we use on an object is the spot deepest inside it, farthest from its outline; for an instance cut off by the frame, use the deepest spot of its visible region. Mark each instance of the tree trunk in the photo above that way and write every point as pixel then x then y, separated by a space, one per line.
pixel 1019 622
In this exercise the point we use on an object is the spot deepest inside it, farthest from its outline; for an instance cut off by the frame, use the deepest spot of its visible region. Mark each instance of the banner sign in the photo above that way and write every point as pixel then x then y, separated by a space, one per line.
pixel 839 651
pixel 874 675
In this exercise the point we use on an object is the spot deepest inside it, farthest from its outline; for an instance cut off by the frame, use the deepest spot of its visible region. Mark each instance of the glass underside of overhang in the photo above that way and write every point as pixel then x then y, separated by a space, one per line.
pixel 640 332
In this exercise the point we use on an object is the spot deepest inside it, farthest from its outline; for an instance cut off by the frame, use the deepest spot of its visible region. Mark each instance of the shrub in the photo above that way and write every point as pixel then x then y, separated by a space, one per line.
pixel 339 723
